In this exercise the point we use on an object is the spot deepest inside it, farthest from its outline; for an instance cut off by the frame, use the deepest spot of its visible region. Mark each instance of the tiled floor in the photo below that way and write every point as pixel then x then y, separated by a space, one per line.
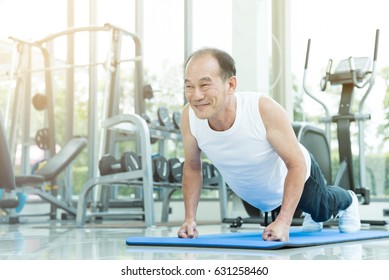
pixel 54 240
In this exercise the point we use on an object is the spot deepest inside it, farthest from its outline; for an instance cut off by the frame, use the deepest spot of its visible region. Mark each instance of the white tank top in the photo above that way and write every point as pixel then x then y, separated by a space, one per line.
pixel 254 171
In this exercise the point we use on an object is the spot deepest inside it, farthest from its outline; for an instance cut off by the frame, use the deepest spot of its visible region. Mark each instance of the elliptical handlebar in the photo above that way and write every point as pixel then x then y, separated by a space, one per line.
pixel 373 72
pixel 307 54
pixel 307 91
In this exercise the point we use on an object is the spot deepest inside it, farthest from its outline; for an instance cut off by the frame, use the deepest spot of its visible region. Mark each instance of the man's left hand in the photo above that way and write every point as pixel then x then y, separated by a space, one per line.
pixel 276 231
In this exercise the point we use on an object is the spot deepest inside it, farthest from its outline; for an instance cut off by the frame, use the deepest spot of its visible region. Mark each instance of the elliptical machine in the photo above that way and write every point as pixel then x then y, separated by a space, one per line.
pixel 352 73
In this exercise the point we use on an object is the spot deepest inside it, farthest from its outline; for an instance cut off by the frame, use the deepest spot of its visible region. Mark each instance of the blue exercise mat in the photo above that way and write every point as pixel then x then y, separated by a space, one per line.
pixel 253 240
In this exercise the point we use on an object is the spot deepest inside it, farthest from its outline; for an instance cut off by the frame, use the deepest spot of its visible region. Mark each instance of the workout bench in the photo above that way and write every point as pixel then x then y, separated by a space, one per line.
pixel 34 184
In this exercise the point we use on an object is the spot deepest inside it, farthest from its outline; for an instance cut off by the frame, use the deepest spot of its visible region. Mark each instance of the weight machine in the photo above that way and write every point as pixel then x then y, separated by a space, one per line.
pixel 17 116
pixel 18 113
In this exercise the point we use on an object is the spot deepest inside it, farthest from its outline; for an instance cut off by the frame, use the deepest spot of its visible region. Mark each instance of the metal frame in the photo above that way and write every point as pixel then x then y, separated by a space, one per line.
pixel 112 64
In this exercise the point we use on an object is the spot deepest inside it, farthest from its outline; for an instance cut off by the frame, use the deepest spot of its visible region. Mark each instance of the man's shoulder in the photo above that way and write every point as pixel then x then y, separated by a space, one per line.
pixel 248 97
pixel 249 93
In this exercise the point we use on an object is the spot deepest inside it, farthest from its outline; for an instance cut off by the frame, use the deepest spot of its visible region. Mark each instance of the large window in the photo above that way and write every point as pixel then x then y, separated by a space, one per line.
pixel 163 35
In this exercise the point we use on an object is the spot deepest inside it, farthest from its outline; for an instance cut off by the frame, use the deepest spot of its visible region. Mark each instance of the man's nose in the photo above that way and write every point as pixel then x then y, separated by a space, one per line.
pixel 198 93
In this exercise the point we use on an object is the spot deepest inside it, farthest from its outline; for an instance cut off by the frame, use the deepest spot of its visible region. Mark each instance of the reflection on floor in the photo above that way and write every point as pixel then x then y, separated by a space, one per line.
pixel 54 240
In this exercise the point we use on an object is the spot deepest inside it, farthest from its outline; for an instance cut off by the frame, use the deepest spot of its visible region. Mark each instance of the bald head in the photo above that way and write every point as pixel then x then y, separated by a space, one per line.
pixel 225 61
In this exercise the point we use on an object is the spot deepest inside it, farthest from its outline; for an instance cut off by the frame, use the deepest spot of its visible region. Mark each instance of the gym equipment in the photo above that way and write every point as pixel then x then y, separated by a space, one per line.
pixel 136 128
pixel 175 170
pixel 18 107
pixel 57 164
pixel 148 92
pixel 209 173
pixel 42 138
pixel 257 217
pixel 165 122
pixel 253 240
pixel 9 201
pixel 176 117
pixel 206 169
pixel 108 164
pixel 34 184
pixel 39 101
pixel 164 127
pixel 235 223
pixel 163 116
pixel 130 162
pixel 160 169
pixel 144 116
pixel 351 73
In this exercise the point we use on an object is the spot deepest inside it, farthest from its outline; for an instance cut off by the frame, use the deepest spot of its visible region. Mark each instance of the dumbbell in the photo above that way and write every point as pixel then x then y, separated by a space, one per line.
pixel 163 116
pixel 234 223
pixel 108 164
pixel 175 170
pixel 165 120
pixel 129 161
pixel 209 172
pixel 176 117
pixel 42 138
pixel 160 168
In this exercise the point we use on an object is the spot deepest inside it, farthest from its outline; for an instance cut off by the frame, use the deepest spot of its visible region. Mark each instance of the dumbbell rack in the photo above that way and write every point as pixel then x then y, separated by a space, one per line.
pixel 163 132
pixel 134 125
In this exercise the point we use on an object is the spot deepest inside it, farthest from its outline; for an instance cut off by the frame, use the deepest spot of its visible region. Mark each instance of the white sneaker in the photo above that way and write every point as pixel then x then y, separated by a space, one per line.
pixel 310 225
pixel 349 219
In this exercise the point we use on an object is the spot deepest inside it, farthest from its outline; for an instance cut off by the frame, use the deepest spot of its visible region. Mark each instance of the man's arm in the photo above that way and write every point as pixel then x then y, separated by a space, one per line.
pixel 281 136
pixel 192 180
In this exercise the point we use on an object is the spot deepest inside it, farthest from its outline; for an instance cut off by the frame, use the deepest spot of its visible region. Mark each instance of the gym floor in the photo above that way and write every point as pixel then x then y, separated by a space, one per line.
pixel 41 239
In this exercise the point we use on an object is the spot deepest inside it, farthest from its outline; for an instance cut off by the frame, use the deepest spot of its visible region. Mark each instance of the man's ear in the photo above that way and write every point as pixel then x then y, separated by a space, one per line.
pixel 232 83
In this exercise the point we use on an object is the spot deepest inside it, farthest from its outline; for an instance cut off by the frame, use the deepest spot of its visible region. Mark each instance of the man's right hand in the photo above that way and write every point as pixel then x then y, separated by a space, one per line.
pixel 188 230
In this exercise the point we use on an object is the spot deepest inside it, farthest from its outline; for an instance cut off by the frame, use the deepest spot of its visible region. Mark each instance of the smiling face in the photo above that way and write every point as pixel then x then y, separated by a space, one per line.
pixel 205 90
